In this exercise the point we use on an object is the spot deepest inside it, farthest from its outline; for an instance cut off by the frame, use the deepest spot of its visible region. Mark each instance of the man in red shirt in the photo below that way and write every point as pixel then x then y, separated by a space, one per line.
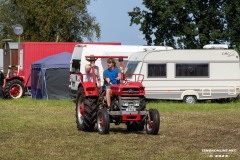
pixel 2 83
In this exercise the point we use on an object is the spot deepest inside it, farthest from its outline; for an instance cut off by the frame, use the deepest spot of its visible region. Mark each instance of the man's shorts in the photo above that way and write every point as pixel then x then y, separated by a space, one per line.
pixel 107 87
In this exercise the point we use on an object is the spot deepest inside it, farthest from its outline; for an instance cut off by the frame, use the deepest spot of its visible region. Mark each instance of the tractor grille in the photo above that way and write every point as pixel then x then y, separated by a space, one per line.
pixel 130 91
pixel 130 103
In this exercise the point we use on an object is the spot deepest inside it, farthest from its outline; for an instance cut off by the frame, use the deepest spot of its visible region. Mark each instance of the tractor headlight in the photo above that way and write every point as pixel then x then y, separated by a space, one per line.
pixel 125 104
pixel 136 103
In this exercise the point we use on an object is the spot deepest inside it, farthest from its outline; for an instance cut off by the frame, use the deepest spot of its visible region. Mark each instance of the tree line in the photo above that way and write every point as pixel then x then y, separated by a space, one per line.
pixel 177 23
pixel 189 23
pixel 48 20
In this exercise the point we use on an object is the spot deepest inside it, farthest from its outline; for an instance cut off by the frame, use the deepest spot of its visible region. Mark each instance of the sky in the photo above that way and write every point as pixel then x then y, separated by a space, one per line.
pixel 112 15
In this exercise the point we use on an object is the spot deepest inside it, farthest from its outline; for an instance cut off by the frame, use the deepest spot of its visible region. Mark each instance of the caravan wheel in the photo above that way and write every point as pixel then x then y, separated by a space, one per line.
pixel 190 99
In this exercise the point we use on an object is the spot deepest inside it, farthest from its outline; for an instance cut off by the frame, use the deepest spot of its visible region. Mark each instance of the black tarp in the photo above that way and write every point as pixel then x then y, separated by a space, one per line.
pixel 50 77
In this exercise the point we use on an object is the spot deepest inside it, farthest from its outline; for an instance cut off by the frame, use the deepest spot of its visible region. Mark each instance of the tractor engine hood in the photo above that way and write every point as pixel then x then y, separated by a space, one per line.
pixel 128 89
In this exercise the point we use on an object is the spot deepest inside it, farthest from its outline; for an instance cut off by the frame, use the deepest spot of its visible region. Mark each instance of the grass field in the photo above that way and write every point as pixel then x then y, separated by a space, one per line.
pixel 39 129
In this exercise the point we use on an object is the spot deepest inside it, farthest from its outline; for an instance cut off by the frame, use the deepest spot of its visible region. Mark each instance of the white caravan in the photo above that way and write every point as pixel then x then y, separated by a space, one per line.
pixel 78 61
pixel 188 75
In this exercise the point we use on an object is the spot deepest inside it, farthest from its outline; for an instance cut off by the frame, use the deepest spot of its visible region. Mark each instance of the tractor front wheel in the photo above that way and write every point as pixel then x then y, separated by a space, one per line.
pixel 103 121
pixel 153 122
pixel 14 89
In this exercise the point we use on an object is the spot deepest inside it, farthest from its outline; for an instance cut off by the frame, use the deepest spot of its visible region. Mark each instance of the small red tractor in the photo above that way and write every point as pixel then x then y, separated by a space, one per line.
pixel 128 104
pixel 14 83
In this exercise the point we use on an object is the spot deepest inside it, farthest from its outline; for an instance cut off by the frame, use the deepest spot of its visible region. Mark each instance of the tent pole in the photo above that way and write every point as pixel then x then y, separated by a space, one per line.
pixel 45 84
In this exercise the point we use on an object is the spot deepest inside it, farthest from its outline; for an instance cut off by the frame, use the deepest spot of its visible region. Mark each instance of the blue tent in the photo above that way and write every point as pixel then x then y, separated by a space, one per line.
pixel 50 77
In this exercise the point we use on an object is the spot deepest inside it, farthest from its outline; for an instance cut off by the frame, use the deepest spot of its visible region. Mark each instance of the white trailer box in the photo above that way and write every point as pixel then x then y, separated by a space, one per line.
pixel 78 61
pixel 188 75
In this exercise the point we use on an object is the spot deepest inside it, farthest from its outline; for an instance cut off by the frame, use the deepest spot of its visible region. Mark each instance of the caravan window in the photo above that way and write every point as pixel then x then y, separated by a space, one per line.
pixel 75 66
pixel 192 70
pixel 156 70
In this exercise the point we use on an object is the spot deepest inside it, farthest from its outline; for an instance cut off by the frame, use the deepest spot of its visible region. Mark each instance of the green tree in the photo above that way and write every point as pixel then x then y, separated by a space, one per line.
pixel 232 11
pixel 181 23
pixel 48 20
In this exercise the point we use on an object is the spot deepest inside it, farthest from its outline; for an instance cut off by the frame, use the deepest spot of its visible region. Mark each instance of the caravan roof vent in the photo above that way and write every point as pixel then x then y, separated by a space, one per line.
pixel 215 46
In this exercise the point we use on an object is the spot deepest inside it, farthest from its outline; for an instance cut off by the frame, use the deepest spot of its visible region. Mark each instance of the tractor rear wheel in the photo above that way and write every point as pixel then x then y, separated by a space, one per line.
pixel 90 113
pixel 80 109
pixel 103 121
pixel 86 111
pixel 153 122
pixel 14 89
pixel 142 105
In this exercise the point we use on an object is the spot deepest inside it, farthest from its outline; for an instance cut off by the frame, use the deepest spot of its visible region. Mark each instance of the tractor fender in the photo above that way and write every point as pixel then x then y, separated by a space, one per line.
pixel 90 89
pixel 15 77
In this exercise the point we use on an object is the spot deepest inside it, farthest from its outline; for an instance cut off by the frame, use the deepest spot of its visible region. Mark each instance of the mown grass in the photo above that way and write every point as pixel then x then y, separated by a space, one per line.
pixel 39 129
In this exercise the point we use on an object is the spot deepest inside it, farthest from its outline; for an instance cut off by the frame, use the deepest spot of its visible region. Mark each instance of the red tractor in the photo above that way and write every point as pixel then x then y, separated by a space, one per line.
pixel 127 104
pixel 14 83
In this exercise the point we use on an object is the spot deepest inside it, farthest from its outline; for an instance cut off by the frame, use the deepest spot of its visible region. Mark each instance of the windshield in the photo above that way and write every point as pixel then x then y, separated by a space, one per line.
pixel 131 66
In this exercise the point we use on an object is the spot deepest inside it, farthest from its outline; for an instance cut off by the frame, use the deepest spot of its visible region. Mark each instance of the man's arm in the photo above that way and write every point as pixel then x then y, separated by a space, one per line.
pixel 4 82
pixel 120 71
pixel 119 76
pixel 108 81
pixel 99 80
pixel 98 76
